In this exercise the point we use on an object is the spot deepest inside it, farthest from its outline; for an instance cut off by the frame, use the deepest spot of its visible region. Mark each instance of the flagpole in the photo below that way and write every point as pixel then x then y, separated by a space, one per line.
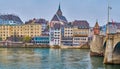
pixel 108 11
pixel 108 14
pixel 107 30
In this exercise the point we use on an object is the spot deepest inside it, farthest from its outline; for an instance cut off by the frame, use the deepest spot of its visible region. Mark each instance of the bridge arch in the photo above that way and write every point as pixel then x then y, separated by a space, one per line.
pixel 117 48
pixel 104 45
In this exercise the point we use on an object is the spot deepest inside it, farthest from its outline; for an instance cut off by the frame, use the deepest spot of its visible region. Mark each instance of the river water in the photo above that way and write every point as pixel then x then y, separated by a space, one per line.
pixel 43 58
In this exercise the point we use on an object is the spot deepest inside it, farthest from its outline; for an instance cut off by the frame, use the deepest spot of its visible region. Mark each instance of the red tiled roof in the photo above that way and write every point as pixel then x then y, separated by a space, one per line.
pixel 38 21
pixel 81 23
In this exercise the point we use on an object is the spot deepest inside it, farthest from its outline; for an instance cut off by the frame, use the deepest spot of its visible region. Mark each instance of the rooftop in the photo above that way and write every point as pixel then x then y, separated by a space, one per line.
pixel 96 25
pixel 81 23
pixel 38 21
pixel 11 17
pixel 59 17
pixel 115 23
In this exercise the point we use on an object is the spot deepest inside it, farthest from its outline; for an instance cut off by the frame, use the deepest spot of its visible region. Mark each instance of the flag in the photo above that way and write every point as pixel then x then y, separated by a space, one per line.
pixel 114 26
pixel 113 23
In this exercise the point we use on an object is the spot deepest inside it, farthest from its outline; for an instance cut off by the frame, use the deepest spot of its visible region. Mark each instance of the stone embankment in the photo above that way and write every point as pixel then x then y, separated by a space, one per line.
pixel 9 44
pixel 82 46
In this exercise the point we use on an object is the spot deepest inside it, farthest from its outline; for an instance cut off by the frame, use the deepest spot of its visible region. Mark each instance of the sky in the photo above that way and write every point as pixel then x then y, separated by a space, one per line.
pixel 90 10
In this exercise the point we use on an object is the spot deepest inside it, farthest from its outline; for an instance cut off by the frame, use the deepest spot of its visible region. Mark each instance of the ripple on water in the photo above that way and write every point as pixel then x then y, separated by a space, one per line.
pixel 36 58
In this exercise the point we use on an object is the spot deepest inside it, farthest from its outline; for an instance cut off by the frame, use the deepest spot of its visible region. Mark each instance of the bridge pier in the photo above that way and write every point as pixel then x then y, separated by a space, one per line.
pixel 96 48
pixel 112 50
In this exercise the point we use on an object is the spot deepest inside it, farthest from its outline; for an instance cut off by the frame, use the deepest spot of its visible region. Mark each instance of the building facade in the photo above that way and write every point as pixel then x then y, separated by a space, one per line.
pixel 67 38
pixel 76 33
pixel 67 41
pixel 80 32
pixel 113 27
pixel 30 30
pixel 5 31
pixel 57 28
pixel 43 23
pixel 68 30
pixel 43 40
pixel 55 34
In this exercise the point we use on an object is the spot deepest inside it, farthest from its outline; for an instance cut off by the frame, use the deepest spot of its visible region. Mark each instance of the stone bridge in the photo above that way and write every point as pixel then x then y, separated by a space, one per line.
pixel 112 49
pixel 108 47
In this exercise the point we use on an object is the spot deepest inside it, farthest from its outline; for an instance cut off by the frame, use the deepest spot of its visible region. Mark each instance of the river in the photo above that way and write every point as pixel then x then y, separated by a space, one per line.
pixel 44 58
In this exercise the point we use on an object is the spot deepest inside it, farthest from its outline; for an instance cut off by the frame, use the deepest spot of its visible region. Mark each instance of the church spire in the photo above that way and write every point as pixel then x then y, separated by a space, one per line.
pixel 59 7
pixel 59 12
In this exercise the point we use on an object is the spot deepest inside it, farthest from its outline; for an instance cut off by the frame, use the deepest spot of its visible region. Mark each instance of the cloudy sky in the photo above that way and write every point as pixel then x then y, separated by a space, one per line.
pixel 90 10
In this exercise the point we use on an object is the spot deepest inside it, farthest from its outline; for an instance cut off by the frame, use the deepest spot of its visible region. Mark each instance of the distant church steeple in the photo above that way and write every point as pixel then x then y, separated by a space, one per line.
pixel 59 16
pixel 59 12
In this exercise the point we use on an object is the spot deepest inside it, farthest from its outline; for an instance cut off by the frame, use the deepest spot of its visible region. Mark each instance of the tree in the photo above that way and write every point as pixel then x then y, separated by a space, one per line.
pixel 47 27
pixel 26 39
pixel 0 39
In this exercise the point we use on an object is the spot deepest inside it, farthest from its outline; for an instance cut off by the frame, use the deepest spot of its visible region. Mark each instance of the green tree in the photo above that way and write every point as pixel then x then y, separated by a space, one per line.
pixel 47 27
pixel 0 39
pixel 26 39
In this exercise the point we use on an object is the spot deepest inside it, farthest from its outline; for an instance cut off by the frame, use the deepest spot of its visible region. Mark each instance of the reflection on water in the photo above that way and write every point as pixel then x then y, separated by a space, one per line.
pixel 37 58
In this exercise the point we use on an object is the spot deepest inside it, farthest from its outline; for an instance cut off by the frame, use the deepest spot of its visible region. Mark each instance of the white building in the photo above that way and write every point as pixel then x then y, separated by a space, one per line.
pixel 57 28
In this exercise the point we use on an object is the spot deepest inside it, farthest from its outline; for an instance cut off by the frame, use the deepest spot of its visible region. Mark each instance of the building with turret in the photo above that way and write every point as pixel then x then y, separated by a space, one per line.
pixel 96 29
pixel 57 27
pixel 58 17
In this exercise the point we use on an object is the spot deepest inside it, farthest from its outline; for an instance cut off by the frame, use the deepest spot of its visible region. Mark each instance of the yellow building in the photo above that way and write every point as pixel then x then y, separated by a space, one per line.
pixel 68 31
pixel 80 36
pixel 30 30
pixel 5 31
pixel 80 32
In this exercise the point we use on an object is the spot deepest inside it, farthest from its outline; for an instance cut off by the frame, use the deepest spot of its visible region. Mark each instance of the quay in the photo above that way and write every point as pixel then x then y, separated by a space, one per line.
pixel 9 44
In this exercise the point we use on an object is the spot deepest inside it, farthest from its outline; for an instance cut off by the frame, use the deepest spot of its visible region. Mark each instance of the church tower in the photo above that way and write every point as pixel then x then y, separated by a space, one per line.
pixel 59 12
pixel 59 16
pixel 57 27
